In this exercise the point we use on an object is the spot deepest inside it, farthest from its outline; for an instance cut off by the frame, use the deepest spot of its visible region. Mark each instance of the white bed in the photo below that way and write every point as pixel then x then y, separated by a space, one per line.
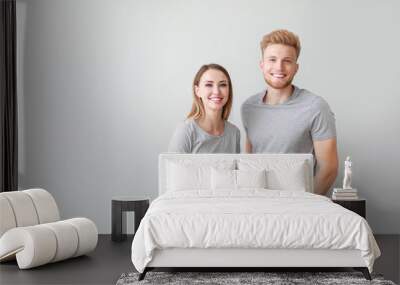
pixel 210 215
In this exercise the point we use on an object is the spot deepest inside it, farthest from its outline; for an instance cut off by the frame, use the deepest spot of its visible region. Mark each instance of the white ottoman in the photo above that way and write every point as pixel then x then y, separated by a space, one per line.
pixel 31 232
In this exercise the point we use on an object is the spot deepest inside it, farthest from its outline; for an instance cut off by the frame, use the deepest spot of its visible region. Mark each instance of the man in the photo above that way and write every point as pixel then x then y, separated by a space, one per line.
pixel 286 119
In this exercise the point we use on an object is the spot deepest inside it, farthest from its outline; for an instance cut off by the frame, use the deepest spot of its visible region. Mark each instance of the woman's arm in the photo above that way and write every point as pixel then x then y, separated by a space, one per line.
pixel 238 141
pixel 181 141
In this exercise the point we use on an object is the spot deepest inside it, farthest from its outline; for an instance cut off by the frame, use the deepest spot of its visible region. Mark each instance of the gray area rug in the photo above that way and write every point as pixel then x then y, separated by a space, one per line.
pixel 229 278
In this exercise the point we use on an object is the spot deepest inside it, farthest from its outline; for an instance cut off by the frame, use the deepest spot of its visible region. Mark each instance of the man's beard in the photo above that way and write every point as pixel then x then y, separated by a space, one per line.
pixel 282 85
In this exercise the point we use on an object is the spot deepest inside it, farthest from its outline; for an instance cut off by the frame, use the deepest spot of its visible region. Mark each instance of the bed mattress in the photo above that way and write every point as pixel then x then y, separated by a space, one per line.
pixel 250 219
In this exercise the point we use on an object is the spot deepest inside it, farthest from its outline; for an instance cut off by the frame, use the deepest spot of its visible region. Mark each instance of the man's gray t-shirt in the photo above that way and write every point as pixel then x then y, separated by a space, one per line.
pixel 189 137
pixel 289 127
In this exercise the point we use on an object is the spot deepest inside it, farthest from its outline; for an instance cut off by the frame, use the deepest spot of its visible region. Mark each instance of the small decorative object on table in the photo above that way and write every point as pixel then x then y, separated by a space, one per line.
pixel 122 204
pixel 347 174
pixel 347 196
pixel 347 192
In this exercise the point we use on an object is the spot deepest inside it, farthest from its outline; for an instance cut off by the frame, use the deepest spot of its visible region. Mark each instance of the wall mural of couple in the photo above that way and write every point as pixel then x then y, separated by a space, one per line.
pixel 283 118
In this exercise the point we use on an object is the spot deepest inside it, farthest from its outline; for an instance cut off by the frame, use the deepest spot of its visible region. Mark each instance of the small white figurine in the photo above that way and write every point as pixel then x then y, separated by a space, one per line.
pixel 347 174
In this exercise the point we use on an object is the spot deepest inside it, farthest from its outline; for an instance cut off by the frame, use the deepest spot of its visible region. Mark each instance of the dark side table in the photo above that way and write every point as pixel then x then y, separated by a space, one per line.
pixel 358 206
pixel 121 204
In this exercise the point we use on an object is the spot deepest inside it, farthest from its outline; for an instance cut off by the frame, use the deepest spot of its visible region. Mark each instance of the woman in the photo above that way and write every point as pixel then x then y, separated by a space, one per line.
pixel 207 129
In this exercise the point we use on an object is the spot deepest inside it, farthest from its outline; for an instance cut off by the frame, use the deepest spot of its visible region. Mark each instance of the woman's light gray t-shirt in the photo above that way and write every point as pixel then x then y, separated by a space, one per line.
pixel 290 127
pixel 189 137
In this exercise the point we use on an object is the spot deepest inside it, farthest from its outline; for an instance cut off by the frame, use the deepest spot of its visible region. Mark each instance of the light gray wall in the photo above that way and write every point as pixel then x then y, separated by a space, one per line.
pixel 104 83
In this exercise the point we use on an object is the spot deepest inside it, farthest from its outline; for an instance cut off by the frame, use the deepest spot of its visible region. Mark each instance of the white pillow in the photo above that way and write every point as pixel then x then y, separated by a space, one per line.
pixel 282 174
pixel 223 179
pixel 237 179
pixel 288 179
pixel 186 174
pixel 251 178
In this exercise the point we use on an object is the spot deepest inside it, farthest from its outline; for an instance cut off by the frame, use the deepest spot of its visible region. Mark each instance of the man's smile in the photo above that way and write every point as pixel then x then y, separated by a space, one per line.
pixel 278 75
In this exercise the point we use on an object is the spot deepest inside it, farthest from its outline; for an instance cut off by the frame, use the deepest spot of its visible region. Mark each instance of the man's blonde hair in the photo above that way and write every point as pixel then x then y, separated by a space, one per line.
pixel 283 37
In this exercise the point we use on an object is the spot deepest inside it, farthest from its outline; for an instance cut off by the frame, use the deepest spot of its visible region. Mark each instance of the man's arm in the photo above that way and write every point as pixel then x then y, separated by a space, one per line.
pixel 248 148
pixel 327 165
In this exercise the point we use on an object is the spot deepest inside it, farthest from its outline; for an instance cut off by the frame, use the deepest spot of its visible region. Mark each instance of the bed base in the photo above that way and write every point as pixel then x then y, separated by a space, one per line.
pixel 251 259
pixel 363 270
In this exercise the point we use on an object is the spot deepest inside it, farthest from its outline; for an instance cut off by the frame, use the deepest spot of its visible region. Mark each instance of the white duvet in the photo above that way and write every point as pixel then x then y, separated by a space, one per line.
pixel 250 218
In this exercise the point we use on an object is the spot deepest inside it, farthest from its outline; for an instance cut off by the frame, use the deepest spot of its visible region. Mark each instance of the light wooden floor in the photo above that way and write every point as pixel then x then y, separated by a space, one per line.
pixel 111 259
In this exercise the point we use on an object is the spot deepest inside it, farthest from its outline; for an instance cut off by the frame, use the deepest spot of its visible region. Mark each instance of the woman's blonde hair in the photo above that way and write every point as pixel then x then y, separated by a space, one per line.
pixel 198 106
